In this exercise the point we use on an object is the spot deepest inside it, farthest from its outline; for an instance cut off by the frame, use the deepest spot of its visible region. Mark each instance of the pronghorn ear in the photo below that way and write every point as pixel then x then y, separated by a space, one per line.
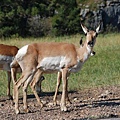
pixel 81 41
pixel 84 29
pixel 97 29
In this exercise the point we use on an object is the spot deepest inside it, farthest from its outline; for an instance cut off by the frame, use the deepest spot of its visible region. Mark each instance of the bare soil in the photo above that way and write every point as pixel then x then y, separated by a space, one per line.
pixel 88 104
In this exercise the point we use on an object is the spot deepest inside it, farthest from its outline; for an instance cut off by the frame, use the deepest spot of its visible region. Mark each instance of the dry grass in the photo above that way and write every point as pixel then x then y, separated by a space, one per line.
pixel 101 70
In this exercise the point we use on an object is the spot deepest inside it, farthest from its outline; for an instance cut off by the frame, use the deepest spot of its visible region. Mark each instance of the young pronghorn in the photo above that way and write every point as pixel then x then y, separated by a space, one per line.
pixel 7 53
pixel 38 58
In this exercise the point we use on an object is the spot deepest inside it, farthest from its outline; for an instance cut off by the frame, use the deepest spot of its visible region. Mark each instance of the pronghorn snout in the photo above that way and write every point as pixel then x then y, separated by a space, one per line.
pixel 92 53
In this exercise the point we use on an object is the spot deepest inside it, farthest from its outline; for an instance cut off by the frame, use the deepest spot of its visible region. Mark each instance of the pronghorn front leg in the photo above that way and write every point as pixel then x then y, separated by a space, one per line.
pixel 59 76
pixel 64 91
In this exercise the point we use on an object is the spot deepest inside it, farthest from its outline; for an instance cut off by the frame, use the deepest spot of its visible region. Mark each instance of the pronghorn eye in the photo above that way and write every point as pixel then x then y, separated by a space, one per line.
pixel 90 43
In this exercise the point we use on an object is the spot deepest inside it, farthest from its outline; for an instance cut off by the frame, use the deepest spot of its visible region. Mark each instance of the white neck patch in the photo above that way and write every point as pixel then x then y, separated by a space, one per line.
pixel 88 49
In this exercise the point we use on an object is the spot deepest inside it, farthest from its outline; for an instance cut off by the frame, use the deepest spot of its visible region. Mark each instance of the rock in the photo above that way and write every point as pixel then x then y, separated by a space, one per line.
pixel 107 14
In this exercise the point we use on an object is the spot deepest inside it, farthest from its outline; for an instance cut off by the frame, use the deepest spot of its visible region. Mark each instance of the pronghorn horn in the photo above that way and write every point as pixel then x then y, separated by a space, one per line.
pixel 84 29
pixel 97 29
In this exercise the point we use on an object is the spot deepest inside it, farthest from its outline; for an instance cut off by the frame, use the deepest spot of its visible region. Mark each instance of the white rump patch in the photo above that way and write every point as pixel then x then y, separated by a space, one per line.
pixel 21 52
pixel 53 63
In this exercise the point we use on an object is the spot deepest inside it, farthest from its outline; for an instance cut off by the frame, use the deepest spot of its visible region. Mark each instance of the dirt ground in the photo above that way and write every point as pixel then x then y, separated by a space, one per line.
pixel 88 104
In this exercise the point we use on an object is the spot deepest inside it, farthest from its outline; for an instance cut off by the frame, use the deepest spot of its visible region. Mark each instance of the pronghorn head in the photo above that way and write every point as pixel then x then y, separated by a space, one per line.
pixel 90 36
pixel 81 45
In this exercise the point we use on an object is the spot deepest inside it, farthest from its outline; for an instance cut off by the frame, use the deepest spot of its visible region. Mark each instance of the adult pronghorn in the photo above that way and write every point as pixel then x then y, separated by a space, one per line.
pixel 38 58
pixel 7 53
pixel 59 77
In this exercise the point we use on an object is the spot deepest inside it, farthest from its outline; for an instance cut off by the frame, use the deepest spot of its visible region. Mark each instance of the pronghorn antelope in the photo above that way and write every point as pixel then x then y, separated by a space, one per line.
pixel 7 54
pixel 59 77
pixel 39 58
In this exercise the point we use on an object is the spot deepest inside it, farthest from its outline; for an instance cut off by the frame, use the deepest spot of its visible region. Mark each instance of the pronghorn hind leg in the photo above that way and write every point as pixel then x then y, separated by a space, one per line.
pixel 25 86
pixel 13 76
pixel 8 88
pixel 17 85
pixel 38 85
pixel 33 83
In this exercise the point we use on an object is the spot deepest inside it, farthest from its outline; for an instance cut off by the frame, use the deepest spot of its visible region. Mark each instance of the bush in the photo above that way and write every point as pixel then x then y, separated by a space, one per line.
pixel 39 26
pixel 66 19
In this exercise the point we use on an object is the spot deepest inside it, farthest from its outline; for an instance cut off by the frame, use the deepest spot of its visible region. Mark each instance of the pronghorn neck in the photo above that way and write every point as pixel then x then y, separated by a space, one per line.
pixel 84 52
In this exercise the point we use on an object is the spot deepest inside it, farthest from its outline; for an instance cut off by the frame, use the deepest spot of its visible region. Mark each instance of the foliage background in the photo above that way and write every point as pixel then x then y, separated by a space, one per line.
pixel 45 17
pixel 38 17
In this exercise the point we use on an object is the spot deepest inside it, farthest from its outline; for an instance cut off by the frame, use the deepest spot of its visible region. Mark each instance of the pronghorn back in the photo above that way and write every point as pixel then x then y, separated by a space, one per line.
pixel 7 54
pixel 51 54
pixel 8 50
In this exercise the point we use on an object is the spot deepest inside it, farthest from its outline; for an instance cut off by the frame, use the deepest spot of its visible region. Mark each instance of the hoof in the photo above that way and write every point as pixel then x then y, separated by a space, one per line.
pixel 26 110
pixel 41 105
pixel 54 103
pixel 17 112
pixel 64 108
pixel 10 97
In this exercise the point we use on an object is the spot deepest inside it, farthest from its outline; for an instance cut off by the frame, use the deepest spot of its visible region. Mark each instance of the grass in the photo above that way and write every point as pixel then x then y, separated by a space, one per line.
pixel 101 70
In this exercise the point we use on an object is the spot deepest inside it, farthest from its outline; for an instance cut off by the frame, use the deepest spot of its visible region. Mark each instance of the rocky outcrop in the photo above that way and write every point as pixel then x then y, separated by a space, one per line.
pixel 108 13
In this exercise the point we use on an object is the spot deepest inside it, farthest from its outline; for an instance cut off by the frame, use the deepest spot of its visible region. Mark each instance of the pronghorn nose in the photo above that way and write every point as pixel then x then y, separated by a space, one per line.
pixel 92 53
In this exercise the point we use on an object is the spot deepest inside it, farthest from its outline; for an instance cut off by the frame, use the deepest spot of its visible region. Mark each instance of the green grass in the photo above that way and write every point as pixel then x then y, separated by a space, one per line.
pixel 103 69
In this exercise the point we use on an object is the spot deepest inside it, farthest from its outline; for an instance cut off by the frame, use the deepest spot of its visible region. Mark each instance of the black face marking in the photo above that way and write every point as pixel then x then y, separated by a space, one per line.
pixel 96 34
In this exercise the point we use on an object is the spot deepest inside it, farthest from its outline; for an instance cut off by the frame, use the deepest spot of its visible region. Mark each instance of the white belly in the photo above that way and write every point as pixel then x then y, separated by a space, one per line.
pixel 55 64
pixel 5 62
